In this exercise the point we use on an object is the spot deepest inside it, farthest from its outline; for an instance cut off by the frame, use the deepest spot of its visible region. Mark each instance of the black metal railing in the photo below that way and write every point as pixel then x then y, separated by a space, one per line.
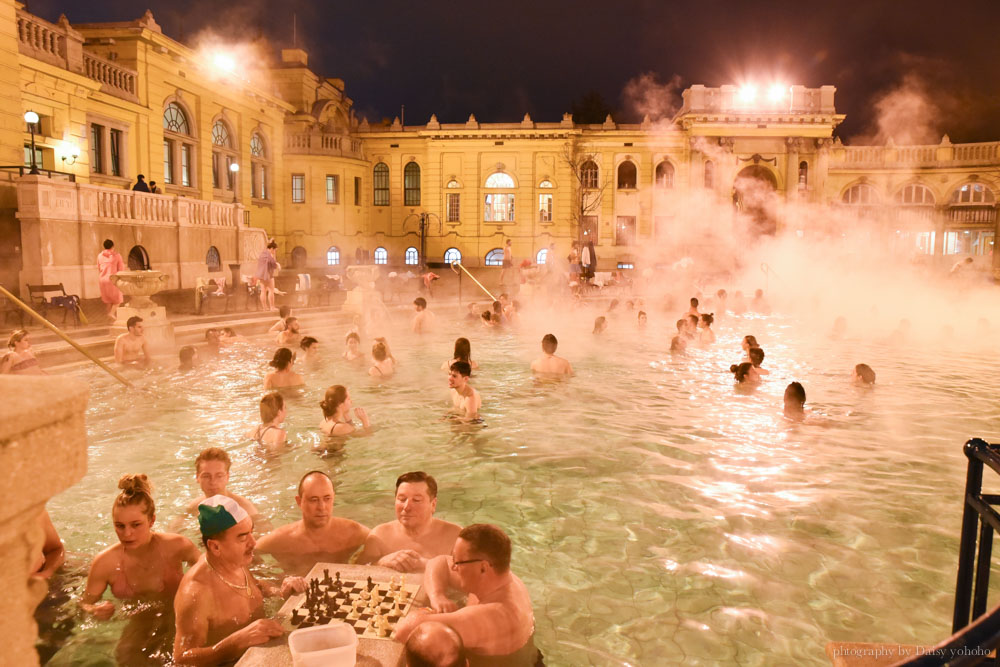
pixel 973 644
pixel 51 173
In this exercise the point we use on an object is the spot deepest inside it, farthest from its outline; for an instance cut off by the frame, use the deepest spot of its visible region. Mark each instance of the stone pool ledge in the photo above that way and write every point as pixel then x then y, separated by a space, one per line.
pixel 43 451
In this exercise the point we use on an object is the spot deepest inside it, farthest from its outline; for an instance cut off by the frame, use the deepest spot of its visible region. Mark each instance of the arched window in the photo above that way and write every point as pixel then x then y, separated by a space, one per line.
pixel 803 175
pixel 138 259
pixel 542 256
pixel 411 184
pixel 545 202
pixel 380 184
pixel 452 255
pixel 224 156
pixel 494 257
pixel 861 194
pixel 972 193
pixel 665 175
pixel 178 147
pixel 709 174
pixel 333 256
pixel 299 257
pixel 381 255
pixel 260 167
pixel 915 194
pixel 588 174
pixel 627 175
pixel 453 184
pixel 213 260
pixel 499 205
pixel 972 203
pixel 412 257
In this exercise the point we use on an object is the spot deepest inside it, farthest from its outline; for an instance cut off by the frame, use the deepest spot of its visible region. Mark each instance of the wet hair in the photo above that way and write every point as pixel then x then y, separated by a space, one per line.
pixel 721 294
pixel 599 324
pixel 136 490
pixel 284 311
pixel 309 474
pixel 498 308
pixel 288 322
pixel 108 244
pixel 272 246
pixel 486 316
pixel 270 405
pixel 307 342
pixel 16 337
pixel 229 331
pixel 866 373
pixel 642 314
pixel 334 397
pixel 489 542
pixel 694 302
pixel 419 476
pixel 462 368
pixel 758 294
pixel 132 321
pixel 354 335
pixel 210 332
pixel 708 318
pixel 212 454
pixel 629 304
pixel 751 341
pixel 693 319
pixel 795 396
pixel 756 355
pixel 463 349
pixel 186 354
pixel 435 644
pixel 677 344
pixel 379 352
pixel 680 323
pixel 420 302
pixel 283 358
pixel 740 371
pixel 549 344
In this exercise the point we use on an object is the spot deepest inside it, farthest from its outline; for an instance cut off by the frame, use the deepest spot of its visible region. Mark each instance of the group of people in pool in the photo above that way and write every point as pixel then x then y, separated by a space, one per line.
pixel 214 609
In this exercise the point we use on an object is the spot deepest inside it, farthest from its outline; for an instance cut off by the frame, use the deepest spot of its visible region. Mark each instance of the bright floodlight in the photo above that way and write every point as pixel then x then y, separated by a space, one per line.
pixel 224 61
pixel 776 93
pixel 30 117
pixel 748 92
pixel 234 167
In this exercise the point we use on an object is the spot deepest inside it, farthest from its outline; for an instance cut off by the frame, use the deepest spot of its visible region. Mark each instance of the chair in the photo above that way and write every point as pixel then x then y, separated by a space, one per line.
pixel 211 289
pixel 70 303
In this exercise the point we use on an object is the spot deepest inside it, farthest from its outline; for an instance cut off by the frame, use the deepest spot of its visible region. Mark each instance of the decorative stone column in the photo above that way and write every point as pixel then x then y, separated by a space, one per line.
pixel 43 450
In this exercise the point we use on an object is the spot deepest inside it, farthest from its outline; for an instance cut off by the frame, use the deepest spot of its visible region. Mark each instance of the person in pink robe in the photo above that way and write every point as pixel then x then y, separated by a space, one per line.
pixel 109 262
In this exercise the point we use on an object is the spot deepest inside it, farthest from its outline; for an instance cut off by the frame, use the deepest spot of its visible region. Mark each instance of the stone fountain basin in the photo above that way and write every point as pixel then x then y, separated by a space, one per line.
pixel 140 285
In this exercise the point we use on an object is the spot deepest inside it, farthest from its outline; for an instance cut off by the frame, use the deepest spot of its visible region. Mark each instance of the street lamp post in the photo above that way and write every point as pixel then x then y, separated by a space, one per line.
pixel 30 117
pixel 234 169
pixel 424 221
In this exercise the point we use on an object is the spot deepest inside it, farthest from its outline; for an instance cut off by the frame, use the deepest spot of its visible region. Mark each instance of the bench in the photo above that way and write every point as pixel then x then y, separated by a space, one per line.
pixel 69 303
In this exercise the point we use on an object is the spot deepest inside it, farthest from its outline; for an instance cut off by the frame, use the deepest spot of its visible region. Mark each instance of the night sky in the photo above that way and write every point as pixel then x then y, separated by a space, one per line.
pixel 919 68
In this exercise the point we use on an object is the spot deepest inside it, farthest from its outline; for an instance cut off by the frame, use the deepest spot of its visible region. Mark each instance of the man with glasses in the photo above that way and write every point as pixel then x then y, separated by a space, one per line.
pixel 497 623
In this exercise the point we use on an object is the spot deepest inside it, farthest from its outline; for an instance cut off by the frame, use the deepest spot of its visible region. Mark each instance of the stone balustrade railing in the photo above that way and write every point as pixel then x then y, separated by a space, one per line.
pixel 40 39
pixel 49 199
pixel 323 143
pixel 115 79
pixel 940 155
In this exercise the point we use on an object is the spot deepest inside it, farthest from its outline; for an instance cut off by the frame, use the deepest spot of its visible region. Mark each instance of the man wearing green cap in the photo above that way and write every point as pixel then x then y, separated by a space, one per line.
pixel 219 605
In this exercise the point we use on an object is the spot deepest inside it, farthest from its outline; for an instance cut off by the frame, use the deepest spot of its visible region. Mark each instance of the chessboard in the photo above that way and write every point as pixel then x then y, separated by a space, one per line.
pixel 372 608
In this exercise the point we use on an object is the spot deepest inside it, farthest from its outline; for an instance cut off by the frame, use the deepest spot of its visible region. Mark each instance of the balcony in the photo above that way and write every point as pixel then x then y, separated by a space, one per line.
pixel 942 155
pixel 317 142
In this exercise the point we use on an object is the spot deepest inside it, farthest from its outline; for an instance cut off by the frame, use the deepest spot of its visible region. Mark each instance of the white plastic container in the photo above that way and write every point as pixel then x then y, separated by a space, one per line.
pixel 333 645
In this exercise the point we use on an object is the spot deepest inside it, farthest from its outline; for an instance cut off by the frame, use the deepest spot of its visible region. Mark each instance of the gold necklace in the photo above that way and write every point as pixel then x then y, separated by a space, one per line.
pixel 245 588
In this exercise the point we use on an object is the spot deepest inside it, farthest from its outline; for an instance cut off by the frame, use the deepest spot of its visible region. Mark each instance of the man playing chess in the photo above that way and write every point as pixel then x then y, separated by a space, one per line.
pixel 409 542
pixel 497 625
pixel 318 536
pixel 219 605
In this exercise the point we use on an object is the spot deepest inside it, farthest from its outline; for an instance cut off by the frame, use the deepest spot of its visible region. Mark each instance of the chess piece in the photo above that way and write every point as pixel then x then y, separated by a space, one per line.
pixel 296 619
pixel 370 584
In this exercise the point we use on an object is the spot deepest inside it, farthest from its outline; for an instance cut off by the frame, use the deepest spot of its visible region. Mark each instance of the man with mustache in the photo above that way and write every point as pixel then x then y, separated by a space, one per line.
pixel 219 605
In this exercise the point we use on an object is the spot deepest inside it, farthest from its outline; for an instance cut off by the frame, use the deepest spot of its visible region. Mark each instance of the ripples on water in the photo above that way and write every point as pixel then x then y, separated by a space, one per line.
pixel 658 516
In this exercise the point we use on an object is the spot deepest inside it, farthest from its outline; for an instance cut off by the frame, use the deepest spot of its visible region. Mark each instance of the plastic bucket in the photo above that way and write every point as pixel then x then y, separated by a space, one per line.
pixel 333 645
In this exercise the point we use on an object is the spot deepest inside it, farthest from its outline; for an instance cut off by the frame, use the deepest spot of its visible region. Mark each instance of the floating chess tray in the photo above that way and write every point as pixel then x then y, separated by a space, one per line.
pixel 360 604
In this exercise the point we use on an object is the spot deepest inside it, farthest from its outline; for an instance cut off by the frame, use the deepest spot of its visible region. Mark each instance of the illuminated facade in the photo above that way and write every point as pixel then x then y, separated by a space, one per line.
pixel 239 153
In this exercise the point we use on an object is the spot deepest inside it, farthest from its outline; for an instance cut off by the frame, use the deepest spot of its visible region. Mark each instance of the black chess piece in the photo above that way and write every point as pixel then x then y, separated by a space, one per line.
pixel 370 584
pixel 338 578
pixel 296 619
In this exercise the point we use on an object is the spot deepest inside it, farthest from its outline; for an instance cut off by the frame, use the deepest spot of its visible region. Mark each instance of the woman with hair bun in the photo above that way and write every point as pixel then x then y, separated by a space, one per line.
pixel 284 374
pixel 745 373
pixel 336 405
pixel 144 563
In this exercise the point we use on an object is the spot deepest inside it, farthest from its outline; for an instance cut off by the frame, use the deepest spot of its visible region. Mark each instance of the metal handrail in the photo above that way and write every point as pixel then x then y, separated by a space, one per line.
pixel 51 173
pixel 459 265
pixel 57 331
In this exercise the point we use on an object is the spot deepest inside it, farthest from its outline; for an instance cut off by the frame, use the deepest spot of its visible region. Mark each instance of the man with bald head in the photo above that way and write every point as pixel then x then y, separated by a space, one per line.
pixel 497 625
pixel 219 607
pixel 435 644
pixel 318 536
pixel 415 537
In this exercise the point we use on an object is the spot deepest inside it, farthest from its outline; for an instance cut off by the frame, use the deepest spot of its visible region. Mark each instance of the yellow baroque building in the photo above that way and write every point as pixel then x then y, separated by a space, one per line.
pixel 242 152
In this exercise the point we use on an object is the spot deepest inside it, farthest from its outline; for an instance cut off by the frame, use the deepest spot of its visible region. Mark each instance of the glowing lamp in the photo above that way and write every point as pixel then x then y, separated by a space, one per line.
pixel 30 117
pixel 234 167
pixel 72 153
pixel 224 62
pixel 776 93
pixel 748 93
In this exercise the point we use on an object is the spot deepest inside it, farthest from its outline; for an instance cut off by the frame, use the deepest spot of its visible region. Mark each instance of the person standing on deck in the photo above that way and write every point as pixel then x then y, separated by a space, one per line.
pixel 109 262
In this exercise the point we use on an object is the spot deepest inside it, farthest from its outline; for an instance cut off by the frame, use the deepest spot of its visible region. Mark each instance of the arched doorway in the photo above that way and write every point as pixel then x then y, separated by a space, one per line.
pixel 298 257
pixel 138 259
pixel 755 194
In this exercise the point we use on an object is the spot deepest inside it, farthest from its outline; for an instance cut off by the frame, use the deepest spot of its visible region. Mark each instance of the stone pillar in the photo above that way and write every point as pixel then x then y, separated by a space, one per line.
pixel 43 450
pixel 823 147
pixel 792 167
